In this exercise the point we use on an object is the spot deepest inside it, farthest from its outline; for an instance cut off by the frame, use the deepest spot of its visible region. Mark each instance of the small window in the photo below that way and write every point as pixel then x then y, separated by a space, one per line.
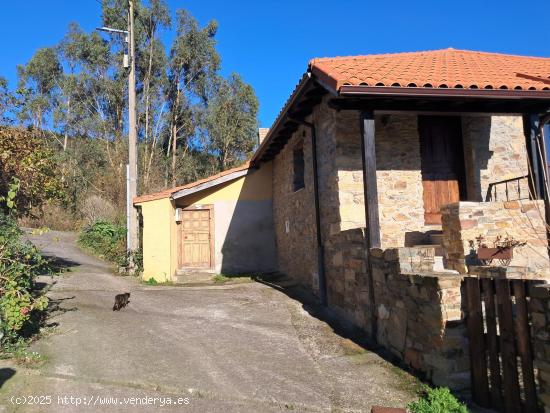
pixel 298 163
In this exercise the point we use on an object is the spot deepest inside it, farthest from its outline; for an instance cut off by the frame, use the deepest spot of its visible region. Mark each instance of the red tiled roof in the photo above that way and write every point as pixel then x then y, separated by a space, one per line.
pixel 168 192
pixel 447 68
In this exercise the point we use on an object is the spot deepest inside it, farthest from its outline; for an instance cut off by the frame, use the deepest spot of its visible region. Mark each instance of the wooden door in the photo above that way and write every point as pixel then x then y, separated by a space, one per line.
pixel 196 238
pixel 442 159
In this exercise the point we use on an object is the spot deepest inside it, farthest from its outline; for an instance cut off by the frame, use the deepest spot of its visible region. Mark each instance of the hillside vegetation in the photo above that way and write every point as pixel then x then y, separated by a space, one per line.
pixel 71 97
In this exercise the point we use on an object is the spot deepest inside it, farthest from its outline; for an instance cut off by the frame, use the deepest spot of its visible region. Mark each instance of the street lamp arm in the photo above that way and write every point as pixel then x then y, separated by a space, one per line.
pixel 111 30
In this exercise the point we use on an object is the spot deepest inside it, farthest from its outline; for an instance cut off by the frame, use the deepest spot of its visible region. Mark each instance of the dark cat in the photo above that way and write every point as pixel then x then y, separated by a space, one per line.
pixel 121 301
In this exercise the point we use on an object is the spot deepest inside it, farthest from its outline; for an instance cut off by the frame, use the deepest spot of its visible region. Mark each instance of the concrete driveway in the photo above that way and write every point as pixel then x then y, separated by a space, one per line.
pixel 240 348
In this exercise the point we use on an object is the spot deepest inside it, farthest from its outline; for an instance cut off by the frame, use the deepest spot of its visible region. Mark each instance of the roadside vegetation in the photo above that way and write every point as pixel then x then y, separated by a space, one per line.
pixel 26 185
pixel 21 304
pixel 192 121
pixel 29 180
pixel 437 400
pixel 104 239
pixel 233 278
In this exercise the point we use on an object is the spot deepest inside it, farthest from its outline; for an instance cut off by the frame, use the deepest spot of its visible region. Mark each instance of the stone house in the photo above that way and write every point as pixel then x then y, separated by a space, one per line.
pixel 442 145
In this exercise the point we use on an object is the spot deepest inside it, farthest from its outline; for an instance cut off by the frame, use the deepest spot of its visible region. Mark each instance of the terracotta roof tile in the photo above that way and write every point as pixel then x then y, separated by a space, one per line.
pixel 168 192
pixel 447 68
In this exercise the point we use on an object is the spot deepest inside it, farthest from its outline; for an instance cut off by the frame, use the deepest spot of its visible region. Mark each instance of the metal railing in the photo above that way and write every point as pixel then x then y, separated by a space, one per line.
pixel 508 188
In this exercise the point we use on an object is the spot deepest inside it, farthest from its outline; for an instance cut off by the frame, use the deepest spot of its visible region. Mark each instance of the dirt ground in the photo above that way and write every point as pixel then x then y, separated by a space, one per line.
pixel 231 348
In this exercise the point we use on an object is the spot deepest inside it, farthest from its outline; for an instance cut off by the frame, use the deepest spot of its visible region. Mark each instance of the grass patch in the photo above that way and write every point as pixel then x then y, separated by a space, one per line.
pixel 406 381
pixel 19 353
pixel 29 358
pixel 234 278
pixel 352 349
pixel 152 281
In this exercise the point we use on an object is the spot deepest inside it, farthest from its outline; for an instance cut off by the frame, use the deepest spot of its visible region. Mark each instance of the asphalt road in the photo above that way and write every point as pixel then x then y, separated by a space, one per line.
pixel 240 348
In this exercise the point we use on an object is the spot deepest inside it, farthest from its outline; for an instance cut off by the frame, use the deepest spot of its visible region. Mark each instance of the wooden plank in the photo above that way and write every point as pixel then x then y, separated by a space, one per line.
pixel 478 362
pixel 370 186
pixel 492 343
pixel 507 347
pixel 524 347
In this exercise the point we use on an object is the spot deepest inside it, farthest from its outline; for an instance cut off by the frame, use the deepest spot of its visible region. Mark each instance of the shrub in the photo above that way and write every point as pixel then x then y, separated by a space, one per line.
pixel 438 400
pixel 95 208
pixel 20 263
pixel 105 239
pixel 25 154
pixel 52 216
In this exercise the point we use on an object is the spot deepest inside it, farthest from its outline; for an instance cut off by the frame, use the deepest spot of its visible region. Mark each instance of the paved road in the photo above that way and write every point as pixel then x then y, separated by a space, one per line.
pixel 241 348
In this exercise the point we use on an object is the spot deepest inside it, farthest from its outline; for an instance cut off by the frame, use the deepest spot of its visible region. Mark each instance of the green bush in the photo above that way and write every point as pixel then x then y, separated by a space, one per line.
pixel 20 302
pixel 106 240
pixel 438 400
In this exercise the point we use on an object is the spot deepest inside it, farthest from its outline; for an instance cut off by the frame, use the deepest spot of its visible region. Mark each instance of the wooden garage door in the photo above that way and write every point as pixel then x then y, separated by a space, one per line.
pixel 196 238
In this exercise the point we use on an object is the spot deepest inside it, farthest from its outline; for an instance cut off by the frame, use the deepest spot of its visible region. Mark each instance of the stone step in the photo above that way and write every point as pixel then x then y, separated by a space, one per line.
pixel 192 276
pixel 439 258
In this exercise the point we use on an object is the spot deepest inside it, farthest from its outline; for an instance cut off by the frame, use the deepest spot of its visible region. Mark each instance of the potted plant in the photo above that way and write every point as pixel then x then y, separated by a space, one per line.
pixel 502 249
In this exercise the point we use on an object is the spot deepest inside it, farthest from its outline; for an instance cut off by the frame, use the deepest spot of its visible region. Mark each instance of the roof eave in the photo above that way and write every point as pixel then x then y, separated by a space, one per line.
pixel 356 90
pixel 210 184
pixel 302 85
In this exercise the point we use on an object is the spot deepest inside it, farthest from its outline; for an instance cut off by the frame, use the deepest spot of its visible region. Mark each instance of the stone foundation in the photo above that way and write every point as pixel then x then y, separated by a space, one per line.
pixel 522 220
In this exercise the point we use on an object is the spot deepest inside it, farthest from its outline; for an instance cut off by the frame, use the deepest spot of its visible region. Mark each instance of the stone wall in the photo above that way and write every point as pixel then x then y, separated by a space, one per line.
pixel 342 212
pixel 494 150
pixel 294 215
pixel 539 306
pixel 522 220
pixel 419 316
pixel 399 180
pixel 347 282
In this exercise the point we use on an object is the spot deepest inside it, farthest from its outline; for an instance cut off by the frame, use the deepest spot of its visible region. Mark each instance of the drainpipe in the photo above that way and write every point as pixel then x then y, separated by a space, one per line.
pixel 543 120
pixel 320 250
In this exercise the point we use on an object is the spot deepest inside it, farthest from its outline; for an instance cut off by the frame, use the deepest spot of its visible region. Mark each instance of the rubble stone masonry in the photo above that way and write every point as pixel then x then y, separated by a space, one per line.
pixel 399 180
pixel 494 149
pixel 419 315
pixel 294 214
pixel 522 220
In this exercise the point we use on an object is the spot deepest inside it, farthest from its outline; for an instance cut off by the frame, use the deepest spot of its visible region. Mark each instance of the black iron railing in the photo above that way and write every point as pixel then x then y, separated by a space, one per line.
pixel 512 189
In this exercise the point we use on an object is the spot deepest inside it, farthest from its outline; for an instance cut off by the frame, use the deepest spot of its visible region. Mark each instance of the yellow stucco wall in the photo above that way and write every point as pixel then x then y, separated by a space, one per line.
pixel 256 186
pixel 157 239
pixel 160 242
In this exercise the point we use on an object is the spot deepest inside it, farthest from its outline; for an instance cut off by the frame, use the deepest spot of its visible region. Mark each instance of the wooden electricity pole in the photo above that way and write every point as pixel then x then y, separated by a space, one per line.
pixel 133 242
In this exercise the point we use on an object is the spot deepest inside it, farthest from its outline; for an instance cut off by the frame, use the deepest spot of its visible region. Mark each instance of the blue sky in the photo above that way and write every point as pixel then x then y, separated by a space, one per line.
pixel 270 42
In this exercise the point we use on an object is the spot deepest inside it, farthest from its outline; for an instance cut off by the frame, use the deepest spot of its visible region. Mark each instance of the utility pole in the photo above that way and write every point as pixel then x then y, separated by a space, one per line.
pixel 132 243
pixel 132 133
